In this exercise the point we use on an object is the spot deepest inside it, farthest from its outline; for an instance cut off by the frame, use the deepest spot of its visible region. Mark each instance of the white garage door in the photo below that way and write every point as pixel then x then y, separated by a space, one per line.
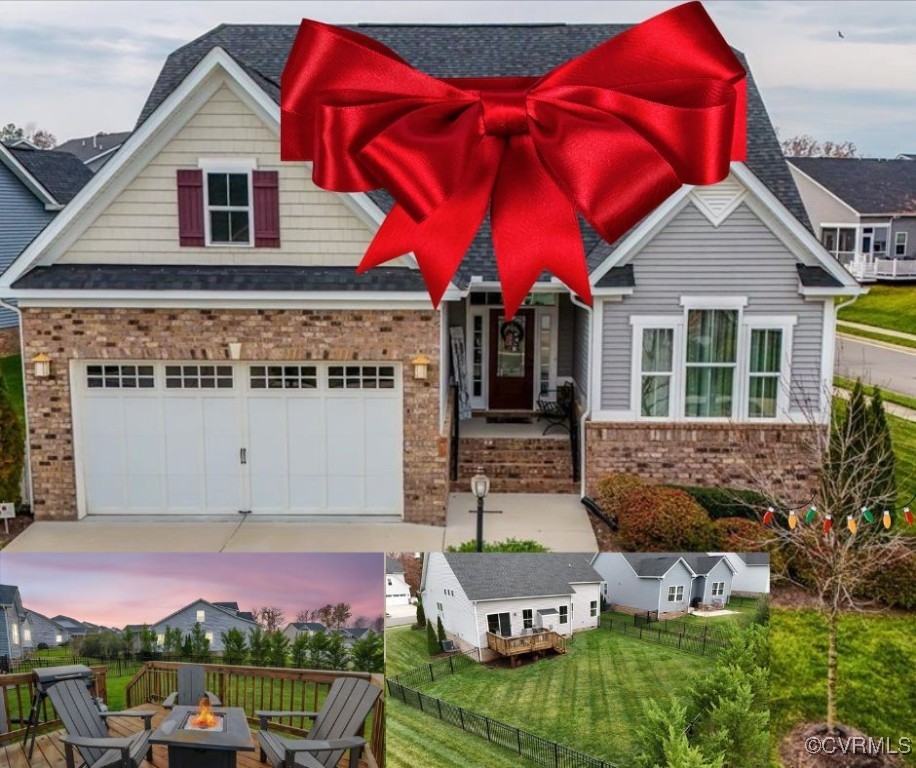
pixel 270 438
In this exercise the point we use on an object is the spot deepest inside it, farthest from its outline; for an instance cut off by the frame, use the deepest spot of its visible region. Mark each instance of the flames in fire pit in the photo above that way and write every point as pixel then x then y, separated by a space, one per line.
pixel 205 719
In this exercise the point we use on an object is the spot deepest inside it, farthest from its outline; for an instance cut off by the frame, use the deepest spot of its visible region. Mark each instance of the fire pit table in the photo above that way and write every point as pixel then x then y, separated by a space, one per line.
pixel 211 744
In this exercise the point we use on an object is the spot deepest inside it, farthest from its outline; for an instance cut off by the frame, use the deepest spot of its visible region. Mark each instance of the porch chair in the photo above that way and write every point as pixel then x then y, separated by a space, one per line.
pixel 192 687
pixel 332 734
pixel 87 730
pixel 556 405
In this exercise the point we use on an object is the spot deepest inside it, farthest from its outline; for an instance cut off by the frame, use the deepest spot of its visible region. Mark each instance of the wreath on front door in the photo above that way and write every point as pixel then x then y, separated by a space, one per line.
pixel 513 334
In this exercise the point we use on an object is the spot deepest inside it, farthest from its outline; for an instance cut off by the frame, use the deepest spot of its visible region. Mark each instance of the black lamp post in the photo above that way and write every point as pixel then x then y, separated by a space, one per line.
pixel 480 486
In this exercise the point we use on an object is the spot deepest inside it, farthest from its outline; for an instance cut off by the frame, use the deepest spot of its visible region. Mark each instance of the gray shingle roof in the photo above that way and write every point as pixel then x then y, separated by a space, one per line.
pixel 656 565
pixel 816 277
pixel 87 147
pixel 618 277
pixel 311 626
pixel 494 576
pixel 393 565
pixel 62 174
pixel 232 606
pixel 867 185
pixel 467 51
pixel 182 277
pixel 8 594
pixel 755 558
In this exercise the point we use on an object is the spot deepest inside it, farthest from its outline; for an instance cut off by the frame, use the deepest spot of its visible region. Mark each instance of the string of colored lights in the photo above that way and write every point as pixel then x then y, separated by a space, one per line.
pixel 887 519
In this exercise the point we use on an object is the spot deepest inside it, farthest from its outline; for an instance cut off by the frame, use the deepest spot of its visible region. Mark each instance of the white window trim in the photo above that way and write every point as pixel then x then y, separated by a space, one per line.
pixel 201 617
pixel 904 243
pixel 718 589
pixel 641 323
pixel 561 614
pixel 785 324
pixel 228 165
pixel 14 633
pixel 673 592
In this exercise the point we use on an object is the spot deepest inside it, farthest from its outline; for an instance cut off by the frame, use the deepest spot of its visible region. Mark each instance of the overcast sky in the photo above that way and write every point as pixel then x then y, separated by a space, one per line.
pixel 119 589
pixel 82 67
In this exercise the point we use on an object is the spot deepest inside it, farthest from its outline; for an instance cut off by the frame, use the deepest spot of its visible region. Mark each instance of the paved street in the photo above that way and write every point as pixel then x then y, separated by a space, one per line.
pixel 877 364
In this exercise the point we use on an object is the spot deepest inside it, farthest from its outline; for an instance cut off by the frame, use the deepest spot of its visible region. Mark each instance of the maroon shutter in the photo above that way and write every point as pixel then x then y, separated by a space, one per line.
pixel 191 208
pixel 266 209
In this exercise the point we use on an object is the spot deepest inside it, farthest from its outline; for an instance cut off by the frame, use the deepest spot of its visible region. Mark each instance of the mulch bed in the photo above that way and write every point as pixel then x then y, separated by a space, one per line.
pixel 17 525
pixel 794 754
pixel 607 539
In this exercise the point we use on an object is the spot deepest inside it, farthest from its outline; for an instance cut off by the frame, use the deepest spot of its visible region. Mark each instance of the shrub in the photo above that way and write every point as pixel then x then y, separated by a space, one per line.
pixel 611 490
pixel 509 545
pixel 736 534
pixel 659 519
pixel 12 449
pixel 728 502
pixel 895 586
pixel 432 642
pixel 42 647
pixel 421 614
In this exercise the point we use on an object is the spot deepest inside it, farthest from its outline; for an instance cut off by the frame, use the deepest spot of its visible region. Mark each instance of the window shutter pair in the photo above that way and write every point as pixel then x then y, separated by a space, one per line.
pixel 265 208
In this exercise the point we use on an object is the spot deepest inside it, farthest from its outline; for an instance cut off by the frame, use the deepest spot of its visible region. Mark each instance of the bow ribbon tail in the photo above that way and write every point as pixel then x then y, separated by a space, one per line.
pixel 535 228
pixel 440 241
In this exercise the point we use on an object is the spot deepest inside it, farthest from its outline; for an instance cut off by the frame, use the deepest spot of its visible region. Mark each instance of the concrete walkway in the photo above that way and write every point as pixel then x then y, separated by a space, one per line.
pixel 876 329
pixel 558 521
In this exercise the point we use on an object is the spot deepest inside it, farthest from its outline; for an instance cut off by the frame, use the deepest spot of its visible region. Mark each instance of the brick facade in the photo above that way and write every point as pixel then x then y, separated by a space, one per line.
pixel 773 456
pixel 9 341
pixel 65 334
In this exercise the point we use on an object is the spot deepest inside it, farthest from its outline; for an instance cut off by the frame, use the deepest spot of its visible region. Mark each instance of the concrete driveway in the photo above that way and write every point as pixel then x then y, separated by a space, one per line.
pixel 888 366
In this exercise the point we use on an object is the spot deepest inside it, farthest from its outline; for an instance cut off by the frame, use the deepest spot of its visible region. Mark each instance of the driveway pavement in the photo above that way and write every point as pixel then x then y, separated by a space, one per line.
pixel 887 366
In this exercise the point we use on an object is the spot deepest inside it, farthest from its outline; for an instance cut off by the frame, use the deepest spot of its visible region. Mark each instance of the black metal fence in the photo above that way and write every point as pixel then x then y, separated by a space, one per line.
pixel 435 670
pixel 536 748
pixel 124 665
pixel 706 642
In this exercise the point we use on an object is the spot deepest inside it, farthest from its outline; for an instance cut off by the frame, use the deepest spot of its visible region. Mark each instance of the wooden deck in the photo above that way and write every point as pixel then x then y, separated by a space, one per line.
pixel 49 752
pixel 537 642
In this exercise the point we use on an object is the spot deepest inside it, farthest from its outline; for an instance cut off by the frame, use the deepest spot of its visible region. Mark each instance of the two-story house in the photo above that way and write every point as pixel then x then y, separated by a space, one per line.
pixel 213 618
pixel 12 622
pixel 212 350
pixel 43 630
pixel 863 211
pixel 96 150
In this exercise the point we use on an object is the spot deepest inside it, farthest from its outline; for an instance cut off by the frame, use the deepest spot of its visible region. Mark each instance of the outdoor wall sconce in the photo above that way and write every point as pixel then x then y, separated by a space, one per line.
pixel 420 367
pixel 235 350
pixel 41 366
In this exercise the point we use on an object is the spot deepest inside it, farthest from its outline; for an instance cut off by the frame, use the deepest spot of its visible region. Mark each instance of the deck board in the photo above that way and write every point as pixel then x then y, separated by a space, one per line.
pixel 49 751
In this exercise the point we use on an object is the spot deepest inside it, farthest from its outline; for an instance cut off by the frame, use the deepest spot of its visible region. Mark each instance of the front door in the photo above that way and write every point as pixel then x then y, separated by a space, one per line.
pixel 512 360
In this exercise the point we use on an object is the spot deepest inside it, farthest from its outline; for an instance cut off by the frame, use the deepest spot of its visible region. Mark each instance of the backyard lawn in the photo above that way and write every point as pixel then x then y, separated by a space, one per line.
pixel 885 306
pixel 404 649
pixel 876 673
pixel 587 700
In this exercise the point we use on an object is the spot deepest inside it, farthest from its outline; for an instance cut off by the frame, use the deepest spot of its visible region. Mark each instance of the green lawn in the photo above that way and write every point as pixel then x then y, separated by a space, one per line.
pixel 903 433
pixel 877 675
pixel 587 699
pixel 877 336
pixel 11 371
pixel 404 649
pixel 889 397
pixel 885 306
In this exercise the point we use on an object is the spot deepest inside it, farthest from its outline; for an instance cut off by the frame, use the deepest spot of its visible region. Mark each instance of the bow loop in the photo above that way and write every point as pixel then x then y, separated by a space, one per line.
pixel 609 135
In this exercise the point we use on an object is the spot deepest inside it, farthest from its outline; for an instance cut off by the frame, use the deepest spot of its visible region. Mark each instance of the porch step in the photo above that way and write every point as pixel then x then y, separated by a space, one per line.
pixel 517 465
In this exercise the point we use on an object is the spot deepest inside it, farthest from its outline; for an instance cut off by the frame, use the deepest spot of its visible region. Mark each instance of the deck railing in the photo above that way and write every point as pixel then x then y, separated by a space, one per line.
pixel 270 688
pixel 536 641
pixel 16 693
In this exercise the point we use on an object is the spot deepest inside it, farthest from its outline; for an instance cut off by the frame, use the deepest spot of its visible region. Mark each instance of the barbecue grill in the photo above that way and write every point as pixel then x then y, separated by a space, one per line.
pixel 45 678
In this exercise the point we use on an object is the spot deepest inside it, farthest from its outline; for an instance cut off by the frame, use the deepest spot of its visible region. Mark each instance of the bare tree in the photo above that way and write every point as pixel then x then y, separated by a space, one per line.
pixel 836 542
pixel 325 614
pixel 341 614
pixel 270 616
pixel 807 146
pixel 304 615
pixel 41 138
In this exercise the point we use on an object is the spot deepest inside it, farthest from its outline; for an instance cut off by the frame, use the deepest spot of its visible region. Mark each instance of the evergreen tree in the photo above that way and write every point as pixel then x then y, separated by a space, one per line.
pixel 440 631
pixel 336 654
pixel 884 488
pixel 200 644
pixel 432 642
pixel 235 646
pixel 421 614
pixel 187 650
pixel 147 639
pixel 368 653
pixel 129 636
pixel 318 644
pixel 299 651
pixel 257 647
pixel 277 648
pixel 12 449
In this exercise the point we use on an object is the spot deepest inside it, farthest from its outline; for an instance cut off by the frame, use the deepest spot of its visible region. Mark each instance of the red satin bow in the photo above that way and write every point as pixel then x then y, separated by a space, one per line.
pixel 610 134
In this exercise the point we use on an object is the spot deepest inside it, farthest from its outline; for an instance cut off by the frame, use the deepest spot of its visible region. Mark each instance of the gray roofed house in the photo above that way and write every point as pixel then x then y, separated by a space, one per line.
pixel 13 622
pixel 501 576
pixel 43 630
pixel 214 619
pixel 296 628
pixel 73 627
pixel 864 212
pixel 262 302
pixel 752 572
pixel 94 151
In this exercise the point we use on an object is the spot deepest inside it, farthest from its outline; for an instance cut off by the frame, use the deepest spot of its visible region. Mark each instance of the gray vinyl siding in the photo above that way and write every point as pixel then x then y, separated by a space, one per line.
pixel 215 621
pixel 22 216
pixel 566 336
pixel 44 631
pixel 678 576
pixel 720 573
pixel 622 586
pixel 580 356
pixel 902 224
pixel 5 617
pixel 690 257
pixel 820 205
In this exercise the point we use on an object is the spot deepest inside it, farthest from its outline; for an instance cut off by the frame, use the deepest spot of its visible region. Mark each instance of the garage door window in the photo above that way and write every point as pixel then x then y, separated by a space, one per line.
pixel 284 377
pixel 361 377
pixel 120 377
pixel 198 377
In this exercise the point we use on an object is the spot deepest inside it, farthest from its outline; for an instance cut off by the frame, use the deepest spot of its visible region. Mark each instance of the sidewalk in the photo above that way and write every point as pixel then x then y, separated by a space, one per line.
pixel 892 408
pixel 876 329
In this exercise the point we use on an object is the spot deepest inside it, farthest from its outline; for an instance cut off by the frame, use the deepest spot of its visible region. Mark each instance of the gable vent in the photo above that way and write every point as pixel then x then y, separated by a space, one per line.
pixel 717 201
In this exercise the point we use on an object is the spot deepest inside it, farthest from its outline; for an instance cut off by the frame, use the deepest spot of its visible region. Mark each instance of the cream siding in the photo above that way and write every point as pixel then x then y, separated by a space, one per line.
pixel 514 608
pixel 457 612
pixel 397 592
pixel 581 613
pixel 141 225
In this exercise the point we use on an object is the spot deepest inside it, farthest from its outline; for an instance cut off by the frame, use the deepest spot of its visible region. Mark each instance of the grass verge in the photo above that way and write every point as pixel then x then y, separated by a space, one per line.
pixel 888 395
pixel 876 336
pixel 885 306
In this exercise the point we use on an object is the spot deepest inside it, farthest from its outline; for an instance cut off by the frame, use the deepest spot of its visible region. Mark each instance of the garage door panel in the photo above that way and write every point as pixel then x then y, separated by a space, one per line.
pixel 183 491
pixel 144 491
pixel 346 492
pixel 105 492
pixel 307 492
pixel 383 492
pixel 345 455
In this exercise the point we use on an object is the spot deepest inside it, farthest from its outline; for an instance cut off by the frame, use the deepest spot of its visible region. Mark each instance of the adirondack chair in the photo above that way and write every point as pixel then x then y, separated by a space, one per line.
pixel 87 730
pixel 332 734
pixel 192 682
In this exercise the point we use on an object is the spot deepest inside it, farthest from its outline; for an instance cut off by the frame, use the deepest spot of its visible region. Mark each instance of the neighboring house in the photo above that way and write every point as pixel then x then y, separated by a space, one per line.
pixel 510 595
pixel 213 351
pixel 94 151
pixel 12 621
pixel 752 572
pixel 71 626
pixel 34 185
pixel 397 592
pixel 44 630
pixel 352 634
pixel 863 211
pixel 233 606
pixel 212 618
pixel 663 583
pixel 296 628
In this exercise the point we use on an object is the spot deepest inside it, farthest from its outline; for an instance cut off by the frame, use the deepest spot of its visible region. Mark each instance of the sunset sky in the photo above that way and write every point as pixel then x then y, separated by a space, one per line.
pixel 837 70
pixel 114 590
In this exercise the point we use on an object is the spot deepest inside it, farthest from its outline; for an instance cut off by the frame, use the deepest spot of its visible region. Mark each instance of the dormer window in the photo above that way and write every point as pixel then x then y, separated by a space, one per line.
pixel 228 204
